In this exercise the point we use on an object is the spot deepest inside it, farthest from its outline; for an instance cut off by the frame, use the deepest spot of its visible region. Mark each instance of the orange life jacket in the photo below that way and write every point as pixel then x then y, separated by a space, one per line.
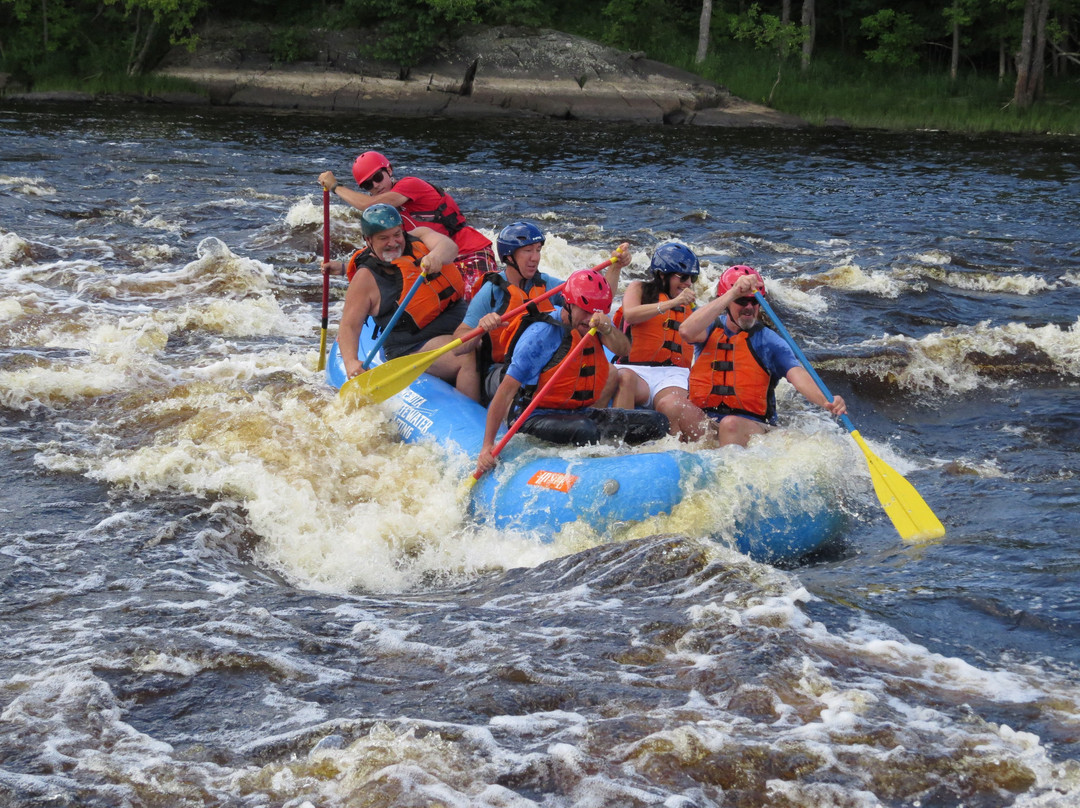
pixel 502 338
pixel 577 386
pixel 728 374
pixel 396 278
pixel 657 341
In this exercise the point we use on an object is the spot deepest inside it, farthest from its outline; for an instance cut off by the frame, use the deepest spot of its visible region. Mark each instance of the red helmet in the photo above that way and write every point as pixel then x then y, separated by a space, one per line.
pixel 367 164
pixel 587 289
pixel 732 274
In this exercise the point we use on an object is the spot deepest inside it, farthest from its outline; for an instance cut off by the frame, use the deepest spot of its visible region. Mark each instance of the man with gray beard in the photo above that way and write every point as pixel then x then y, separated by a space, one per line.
pixel 380 278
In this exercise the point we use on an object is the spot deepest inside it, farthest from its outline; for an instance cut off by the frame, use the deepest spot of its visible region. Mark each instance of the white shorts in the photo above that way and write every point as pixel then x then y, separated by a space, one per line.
pixel 660 376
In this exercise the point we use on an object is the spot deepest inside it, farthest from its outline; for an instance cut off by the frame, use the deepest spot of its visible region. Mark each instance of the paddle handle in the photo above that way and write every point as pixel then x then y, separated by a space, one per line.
pixel 325 278
pixel 520 421
pixel 850 427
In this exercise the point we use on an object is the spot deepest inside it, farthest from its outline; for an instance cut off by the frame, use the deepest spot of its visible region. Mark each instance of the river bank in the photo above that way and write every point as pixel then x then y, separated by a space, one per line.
pixel 489 72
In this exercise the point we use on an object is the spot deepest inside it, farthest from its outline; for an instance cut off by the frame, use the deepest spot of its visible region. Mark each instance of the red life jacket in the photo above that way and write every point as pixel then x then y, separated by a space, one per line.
pixel 577 386
pixel 657 341
pixel 503 338
pixel 395 278
pixel 728 374
pixel 446 214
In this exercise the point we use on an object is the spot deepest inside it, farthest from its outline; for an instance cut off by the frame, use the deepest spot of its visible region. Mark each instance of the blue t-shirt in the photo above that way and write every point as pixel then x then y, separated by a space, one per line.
pixel 535 347
pixel 776 355
pixel 490 298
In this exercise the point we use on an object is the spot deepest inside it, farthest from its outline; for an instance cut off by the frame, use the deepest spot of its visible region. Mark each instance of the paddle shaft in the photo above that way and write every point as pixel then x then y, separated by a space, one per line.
pixel 394 320
pixel 476 332
pixel 910 515
pixel 850 427
pixel 325 278
pixel 521 419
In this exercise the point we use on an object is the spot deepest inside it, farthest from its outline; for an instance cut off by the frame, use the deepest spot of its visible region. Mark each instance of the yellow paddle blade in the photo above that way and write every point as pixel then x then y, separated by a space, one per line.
pixel 322 350
pixel 390 378
pixel 910 514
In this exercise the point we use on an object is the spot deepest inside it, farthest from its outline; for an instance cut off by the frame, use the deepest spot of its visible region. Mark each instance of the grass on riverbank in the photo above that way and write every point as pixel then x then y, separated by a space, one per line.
pixel 871 96
pixel 120 84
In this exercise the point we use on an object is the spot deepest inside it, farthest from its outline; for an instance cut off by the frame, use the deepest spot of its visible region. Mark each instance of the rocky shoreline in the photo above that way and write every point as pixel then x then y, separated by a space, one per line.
pixel 489 72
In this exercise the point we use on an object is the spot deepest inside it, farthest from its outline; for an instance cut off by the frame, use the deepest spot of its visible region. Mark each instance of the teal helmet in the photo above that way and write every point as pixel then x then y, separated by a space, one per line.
pixel 379 217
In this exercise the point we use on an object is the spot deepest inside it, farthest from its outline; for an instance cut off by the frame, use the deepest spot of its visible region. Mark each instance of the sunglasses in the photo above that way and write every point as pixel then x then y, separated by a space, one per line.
pixel 684 276
pixel 745 301
pixel 369 183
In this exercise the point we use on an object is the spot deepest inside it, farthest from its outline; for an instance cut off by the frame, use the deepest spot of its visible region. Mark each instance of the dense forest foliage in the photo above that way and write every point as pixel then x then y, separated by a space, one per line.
pixel 1022 42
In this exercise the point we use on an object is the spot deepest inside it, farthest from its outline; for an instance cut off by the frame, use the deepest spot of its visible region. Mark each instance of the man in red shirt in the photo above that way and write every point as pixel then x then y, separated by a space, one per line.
pixel 422 205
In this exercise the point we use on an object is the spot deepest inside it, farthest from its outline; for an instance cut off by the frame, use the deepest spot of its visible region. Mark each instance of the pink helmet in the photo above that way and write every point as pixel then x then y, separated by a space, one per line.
pixel 732 274
pixel 587 289
pixel 367 164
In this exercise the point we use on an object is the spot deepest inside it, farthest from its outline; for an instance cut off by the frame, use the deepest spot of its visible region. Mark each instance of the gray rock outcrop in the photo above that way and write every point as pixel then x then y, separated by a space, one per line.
pixel 486 73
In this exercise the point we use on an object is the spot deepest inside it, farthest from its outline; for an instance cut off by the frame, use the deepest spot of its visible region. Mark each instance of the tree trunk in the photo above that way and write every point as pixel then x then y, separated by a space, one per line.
pixel 1022 96
pixel 785 18
pixel 809 24
pixel 1030 72
pixel 1002 61
pixel 704 27
pixel 138 67
pixel 45 23
pixel 954 62
pixel 134 41
pixel 1038 59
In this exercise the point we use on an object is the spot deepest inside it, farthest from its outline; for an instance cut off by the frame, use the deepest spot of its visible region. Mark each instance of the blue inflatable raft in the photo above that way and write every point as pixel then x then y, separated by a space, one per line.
pixel 539 488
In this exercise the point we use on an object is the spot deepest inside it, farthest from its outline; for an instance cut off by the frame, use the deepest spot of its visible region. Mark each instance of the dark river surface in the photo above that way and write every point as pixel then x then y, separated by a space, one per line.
pixel 222 587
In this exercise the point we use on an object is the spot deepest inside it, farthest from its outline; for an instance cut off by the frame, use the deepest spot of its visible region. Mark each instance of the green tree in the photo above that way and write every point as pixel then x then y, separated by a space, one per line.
pixel 149 19
pixel 768 32
pixel 896 34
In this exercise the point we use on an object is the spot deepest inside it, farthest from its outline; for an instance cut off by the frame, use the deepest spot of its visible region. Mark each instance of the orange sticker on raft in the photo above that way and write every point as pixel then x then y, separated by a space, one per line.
pixel 553 480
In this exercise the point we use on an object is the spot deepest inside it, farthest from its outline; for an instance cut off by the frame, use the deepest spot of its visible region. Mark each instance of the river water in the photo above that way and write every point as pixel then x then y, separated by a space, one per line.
pixel 220 587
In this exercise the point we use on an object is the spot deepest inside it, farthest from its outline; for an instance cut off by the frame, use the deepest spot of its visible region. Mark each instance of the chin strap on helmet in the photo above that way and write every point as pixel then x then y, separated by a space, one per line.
pixel 515 236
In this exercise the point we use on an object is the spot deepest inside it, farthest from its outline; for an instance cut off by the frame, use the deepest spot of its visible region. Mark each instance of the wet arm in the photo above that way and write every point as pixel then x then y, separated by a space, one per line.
pixel 805 384
pixel 611 337
pixel 614 272
pixel 442 248
pixel 696 326
pixel 359 304
pixel 496 416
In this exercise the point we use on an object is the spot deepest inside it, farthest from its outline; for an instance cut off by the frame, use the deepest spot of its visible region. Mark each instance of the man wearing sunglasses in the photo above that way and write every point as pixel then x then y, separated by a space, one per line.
pixel 738 361
pixel 421 205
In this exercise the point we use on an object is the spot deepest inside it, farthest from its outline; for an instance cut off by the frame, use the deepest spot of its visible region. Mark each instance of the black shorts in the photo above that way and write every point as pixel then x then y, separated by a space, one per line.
pixel 401 342
pixel 596 425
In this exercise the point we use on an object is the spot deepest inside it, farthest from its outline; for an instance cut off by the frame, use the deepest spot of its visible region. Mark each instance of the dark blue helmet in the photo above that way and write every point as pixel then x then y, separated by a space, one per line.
pixel 515 236
pixel 674 258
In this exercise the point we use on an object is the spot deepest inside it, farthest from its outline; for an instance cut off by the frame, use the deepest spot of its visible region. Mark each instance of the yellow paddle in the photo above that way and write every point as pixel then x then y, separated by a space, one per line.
pixel 519 422
pixel 910 514
pixel 390 378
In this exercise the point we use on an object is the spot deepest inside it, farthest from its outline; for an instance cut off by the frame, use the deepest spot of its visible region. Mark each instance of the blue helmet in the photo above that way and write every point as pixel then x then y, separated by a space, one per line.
pixel 379 217
pixel 515 236
pixel 674 258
